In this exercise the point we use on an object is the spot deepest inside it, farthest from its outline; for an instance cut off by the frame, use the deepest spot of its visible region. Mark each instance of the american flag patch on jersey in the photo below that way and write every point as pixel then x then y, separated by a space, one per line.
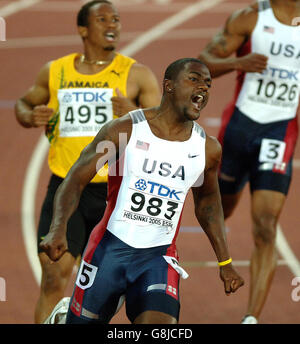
pixel 269 29
pixel 142 145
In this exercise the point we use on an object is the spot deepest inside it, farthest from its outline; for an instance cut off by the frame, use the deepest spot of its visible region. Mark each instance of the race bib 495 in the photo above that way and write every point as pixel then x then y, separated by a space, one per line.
pixel 84 111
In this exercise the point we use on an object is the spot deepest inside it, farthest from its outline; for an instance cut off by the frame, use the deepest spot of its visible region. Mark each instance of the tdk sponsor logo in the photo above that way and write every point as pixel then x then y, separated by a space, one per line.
pixel 141 184
pixel 85 97
pixel 157 189
pixel 162 190
pixel 282 73
pixel 67 98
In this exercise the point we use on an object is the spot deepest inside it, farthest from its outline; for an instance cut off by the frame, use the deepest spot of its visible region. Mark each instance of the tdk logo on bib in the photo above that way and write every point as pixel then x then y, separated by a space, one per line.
pixel 157 189
pixel 67 98
pixel 86 97
pixel 141 184
pixel 282 73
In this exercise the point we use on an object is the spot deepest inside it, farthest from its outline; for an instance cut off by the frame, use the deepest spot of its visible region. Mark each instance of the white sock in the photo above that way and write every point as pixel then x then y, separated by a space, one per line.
pixel 249 319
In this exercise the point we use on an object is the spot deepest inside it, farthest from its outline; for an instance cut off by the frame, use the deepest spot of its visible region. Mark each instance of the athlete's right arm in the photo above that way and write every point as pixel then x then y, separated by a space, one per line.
pixel 217 53
pixel 209 213
pixel 104 148
pixel 31 109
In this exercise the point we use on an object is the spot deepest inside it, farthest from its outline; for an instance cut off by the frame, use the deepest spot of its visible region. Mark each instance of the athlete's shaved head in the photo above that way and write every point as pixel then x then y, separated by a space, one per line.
pixel 83 14
pixel 175 67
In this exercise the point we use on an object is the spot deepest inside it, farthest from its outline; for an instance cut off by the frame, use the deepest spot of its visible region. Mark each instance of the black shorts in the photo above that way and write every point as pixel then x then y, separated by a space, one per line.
pixel 249 149
pixel 89 212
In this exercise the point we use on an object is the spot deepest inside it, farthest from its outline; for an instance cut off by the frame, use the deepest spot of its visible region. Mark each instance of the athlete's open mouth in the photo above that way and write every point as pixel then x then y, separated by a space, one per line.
pixel 110 36
pixel 197 100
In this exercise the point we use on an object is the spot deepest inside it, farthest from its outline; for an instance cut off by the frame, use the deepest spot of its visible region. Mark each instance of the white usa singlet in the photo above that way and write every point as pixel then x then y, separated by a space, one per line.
pixel 154 180
pixel 274 94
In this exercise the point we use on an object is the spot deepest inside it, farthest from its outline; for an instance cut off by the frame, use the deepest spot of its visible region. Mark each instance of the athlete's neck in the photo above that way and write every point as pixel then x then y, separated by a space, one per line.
pixel 96 53
pixel 93 63
pixel 170 125
pixel 286 10
pixel 94 60
pixel 292 3
pixel 105 56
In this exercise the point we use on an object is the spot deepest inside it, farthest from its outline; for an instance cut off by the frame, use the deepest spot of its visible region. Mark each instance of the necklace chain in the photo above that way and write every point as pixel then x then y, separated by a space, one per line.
pixel 96 62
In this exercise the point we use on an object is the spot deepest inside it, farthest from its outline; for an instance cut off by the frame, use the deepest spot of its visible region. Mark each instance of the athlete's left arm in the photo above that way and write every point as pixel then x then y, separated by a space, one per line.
pixel 217 54
pixel 209 212
pixel 149 93
pixel 142 91
pixel 104 148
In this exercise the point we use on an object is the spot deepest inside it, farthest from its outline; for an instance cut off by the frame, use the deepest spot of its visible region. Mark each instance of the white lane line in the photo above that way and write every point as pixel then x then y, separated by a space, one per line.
pixel 211 264
pixel 35 165
pixel 196 229
pixel 7 104
pixel 71 40
pixel 44 41
pixel 28 204
pixel 168 24
pixel 289 258
pixel 17 6
pixel 123 6
pixel 286 252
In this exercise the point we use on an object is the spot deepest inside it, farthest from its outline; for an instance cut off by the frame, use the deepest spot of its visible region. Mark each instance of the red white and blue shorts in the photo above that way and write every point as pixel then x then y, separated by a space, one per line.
pixel 111 270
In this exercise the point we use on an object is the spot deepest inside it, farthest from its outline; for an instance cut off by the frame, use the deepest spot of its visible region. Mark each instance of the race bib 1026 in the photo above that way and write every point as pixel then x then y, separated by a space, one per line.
pixel 83 111
pixel 275 87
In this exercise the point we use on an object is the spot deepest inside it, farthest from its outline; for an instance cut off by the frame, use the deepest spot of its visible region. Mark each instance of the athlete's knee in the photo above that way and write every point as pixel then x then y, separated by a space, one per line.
pixel 264 229
pixel 55 276
pixel 52 281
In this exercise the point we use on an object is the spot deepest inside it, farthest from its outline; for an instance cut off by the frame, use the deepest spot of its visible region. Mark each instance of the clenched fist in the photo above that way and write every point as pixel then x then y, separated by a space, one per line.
pixel 231 279
pixel 40 115
pixel 121 104
pixel 252 63
pixel 54 245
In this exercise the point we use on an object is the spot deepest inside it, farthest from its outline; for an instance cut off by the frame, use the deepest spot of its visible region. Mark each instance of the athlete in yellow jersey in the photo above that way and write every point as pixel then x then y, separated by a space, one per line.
pixel 82 105
pixel 73 97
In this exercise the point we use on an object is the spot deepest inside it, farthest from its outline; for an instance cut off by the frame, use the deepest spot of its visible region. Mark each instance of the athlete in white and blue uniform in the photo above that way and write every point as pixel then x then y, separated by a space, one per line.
pixel 161 153
pixel 145 203
pixel 259 127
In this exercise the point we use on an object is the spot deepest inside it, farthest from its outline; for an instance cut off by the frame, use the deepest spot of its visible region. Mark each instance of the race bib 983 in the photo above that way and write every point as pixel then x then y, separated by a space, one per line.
pixel 152 203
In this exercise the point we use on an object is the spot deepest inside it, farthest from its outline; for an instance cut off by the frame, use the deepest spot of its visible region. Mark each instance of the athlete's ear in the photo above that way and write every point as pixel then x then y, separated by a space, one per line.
pixel 168 87
pixel 83 31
